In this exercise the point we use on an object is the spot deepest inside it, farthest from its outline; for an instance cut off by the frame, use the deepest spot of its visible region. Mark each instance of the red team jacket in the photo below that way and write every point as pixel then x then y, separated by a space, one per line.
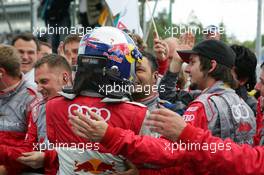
pixel 59 131
pixel 15 111
pixel 230 159
pixel 260 122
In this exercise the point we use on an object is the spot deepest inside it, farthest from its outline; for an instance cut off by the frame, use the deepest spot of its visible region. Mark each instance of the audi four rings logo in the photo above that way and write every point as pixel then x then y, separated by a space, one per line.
pixel 240 111
pixel 103 112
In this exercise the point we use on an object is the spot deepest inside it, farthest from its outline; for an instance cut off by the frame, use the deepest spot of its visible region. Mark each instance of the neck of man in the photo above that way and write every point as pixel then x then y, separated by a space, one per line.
pixel 10 83
pixel 141 97
pixel 209 83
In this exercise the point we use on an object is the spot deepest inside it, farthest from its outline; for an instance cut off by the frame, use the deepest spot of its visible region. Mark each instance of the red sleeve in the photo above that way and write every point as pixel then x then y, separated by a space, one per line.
pixel 259 121
pixel 218 157
pixel 228 159
pixel 140 149
pixel 195 115
pixel 9 154
pixel 51 162
pixel 163 66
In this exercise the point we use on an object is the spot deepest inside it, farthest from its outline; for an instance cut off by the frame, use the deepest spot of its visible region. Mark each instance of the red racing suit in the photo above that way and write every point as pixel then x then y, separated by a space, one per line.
pixel 34 140
pixel 259 138
pixel 15 111
pixel 222 111
pixel 229 158
pixel 37 139
pixel 77 155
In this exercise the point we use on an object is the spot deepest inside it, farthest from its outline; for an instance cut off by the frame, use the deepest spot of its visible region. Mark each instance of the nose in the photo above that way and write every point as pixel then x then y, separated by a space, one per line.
pixel 39 88
pixel 24 55
pixel 258 86
pixel 74 58
pixel 187 69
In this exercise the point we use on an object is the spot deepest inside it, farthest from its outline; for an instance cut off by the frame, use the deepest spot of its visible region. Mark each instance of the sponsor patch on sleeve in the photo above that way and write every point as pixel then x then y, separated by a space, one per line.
pixel 192 108
pixel 188 117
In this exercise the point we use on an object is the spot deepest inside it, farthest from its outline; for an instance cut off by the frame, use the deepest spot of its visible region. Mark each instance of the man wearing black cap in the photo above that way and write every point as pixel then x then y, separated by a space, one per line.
pixel 218 108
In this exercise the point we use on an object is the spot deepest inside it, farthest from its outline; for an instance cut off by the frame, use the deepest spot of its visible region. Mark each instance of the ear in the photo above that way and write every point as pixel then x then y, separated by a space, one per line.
pixel 213 66
pixel 66 77
pixel 155 77
pixel 2 72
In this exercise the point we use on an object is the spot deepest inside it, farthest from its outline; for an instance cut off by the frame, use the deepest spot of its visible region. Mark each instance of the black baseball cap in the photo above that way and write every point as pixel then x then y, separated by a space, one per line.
pixel 213 50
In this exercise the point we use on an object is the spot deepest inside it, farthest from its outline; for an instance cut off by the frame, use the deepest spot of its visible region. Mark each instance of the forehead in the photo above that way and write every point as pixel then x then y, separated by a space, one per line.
pixel 194 57
pixel 20 44
pixel 44 70
pixel 45 48
pixel 144 62
pixel 71 45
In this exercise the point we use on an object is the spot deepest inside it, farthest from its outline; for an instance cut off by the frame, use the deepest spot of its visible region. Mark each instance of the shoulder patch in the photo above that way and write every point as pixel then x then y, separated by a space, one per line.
pixel 192 108
pixel 188 117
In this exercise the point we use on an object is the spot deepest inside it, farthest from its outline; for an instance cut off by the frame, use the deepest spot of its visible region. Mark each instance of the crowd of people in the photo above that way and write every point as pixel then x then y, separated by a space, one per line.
pixel 105 103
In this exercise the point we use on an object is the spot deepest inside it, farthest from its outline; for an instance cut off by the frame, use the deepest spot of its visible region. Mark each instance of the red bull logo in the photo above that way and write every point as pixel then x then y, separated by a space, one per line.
pixel 120 48
pixel 94 166
pixel 88 42
pixel 118 52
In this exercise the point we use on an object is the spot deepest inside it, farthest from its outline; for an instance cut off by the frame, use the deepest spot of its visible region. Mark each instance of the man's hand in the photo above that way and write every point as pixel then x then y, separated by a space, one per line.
pixel 167 123
pixel 187 41
pixel 176 63
pixel 33 159
pixel 3 170
pixel 132 169
pixel 161 48
pixel 91 129
pixel 60 49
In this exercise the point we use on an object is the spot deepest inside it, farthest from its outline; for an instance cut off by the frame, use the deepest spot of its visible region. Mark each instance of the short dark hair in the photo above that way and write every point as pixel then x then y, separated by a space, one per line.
pixel 71 38
pixel 221 72
pixel 245 65
pixel 26 37
pixel 10 60
pixel 45 44
pixel 54 61
pixel 152 60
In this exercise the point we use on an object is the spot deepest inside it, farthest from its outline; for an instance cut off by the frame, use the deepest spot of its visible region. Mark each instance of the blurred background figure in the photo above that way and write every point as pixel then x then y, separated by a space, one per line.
pixel 28 47
pixel 44 49
pixel 56 14
pixel 211 32
pixel 89 12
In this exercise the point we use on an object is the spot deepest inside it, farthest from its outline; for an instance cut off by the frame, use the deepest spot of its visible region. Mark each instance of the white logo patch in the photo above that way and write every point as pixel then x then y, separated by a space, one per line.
pixel 188 118
pixel 103 112
pixel 240 111
pixel 192 109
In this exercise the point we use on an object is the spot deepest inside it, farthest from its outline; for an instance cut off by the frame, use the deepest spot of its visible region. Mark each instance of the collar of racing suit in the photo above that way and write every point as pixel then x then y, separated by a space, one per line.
pixel 150 100
pixel 242 92
pixel 14 90
pixel 218 86
pixel 94 94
